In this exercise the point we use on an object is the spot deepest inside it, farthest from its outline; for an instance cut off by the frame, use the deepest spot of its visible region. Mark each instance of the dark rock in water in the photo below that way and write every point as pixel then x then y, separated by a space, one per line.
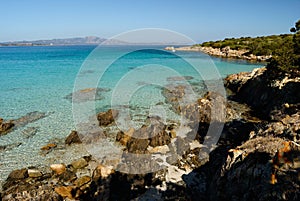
pixel 48 148
pixel 107 118
pixel 89 94
pixel 5 126
pixel 29 118
pixel 73 138
pixel 180 78
pixel 9 146
pixel 30 132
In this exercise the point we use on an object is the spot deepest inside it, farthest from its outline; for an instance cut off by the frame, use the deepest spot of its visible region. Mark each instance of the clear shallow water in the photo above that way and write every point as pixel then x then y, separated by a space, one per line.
pixel 40 78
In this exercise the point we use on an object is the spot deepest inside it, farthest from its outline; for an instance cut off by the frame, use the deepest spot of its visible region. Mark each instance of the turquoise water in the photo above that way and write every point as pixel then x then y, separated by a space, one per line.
pixel 40 78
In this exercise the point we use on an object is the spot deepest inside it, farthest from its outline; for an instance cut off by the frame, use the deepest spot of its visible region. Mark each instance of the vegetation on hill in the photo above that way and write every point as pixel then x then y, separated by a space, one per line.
pixel 284 48
pixel 265 45
pixel 287 57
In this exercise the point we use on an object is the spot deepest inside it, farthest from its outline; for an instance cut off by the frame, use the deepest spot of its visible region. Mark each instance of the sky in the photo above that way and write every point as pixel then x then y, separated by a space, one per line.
pixel 197 19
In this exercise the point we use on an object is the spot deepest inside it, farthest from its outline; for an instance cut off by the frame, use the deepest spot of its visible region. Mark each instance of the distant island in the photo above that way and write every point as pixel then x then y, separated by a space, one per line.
pixel 88 40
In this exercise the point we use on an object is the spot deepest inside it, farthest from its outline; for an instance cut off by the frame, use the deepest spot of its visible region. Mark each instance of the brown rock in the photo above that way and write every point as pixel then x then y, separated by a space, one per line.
pixel 65 191
pixel 48 147
pixel 123 138
pixel 73 138
pixel 68 176
pixel 18 174
pixel 102 172
pixel 82 182
pixel 58 168
pixel 173 133
pixel 80 163
pixel 107 118
pixel 33 173
pixel 136 145
pixel 161 138
pixel 5 126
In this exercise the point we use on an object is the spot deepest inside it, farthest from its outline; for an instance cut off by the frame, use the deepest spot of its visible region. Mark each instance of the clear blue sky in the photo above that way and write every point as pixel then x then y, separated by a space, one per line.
pixel 200 20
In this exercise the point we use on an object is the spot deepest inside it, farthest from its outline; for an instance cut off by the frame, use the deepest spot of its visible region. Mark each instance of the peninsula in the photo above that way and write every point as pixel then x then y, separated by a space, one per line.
pixel 253 49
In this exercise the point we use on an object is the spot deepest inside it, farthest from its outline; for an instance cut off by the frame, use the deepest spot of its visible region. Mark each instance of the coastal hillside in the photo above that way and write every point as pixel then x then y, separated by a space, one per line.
pixel 281 51
pixel 264 45
pixel 247 48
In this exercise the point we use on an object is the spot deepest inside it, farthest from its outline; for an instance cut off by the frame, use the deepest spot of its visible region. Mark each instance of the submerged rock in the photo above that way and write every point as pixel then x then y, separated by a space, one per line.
pixel 73 138
pixel 107 118
pixel 84 95
pixel 29 118
pixel 5 126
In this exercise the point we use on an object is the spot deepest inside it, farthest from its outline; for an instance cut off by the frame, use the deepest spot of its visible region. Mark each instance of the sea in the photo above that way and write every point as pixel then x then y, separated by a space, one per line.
pixel 69 84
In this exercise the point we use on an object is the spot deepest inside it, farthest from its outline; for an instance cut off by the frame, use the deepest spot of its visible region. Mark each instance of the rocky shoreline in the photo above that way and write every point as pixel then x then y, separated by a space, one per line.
pixel 225 52
pixel 257 156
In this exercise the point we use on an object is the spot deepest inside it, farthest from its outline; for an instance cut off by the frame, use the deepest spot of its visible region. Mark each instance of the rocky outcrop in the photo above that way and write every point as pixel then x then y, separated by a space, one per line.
pixel 225 52
pixel 263 168
pixel 265 93
pixel 255 160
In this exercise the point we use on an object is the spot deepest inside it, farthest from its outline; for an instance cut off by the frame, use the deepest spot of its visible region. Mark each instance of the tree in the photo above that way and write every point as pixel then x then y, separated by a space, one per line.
pixel 297 25
pixel 293 30
pixel 287 57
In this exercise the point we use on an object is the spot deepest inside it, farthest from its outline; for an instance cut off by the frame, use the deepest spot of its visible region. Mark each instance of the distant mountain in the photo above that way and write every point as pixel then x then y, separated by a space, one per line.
pixel 71 41
pixel 89 40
